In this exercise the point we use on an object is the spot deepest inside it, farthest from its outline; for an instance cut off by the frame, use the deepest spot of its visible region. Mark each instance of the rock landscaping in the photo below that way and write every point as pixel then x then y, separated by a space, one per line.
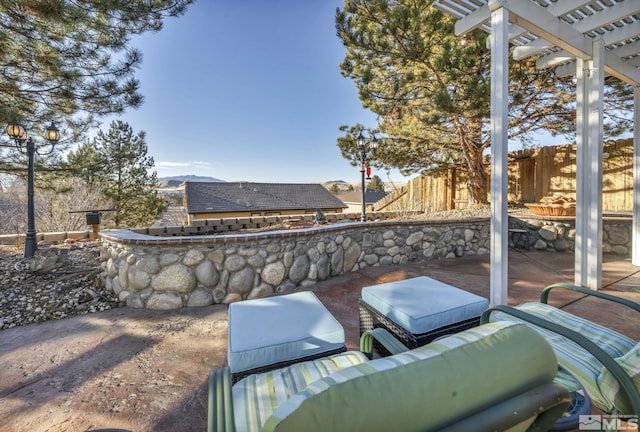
pixel 60 281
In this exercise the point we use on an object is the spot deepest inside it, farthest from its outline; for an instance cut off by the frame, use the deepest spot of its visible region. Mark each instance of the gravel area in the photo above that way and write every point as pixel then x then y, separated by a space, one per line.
pixel 66 284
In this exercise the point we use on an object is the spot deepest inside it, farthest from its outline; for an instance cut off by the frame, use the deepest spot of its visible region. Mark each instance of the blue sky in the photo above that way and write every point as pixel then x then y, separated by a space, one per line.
pixel 248 90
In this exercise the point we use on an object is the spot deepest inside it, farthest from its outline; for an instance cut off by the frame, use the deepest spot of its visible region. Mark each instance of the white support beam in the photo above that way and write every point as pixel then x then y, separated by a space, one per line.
pixel 582 192
pixel 590 107
pixel 635 237
pixel 499 259
pixel 596 138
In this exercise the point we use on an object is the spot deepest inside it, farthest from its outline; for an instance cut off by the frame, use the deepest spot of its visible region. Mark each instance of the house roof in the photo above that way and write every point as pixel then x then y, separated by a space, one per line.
pixel 247 196
pixel 370 196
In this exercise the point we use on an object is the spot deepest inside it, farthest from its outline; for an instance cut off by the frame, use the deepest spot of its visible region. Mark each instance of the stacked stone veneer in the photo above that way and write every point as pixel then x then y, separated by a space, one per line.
pixel 558 234
pixel 174 272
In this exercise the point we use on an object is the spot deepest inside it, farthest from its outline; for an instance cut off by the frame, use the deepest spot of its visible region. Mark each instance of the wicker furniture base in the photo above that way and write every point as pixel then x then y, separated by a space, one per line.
pixel 370 318
pixel 237 376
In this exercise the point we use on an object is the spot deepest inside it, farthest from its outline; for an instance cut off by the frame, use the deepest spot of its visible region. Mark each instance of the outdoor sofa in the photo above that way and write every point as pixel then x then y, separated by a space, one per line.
pixel 498 376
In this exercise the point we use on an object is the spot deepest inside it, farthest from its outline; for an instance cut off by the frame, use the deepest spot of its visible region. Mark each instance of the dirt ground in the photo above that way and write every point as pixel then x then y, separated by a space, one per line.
pixel 133 369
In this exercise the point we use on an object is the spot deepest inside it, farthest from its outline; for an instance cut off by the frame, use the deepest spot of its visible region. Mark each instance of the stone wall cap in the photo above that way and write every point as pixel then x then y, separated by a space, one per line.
pixel 126 236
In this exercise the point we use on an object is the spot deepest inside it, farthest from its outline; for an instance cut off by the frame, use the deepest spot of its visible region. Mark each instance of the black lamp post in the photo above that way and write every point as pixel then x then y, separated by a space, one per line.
pixel 26 145
pixel 366 147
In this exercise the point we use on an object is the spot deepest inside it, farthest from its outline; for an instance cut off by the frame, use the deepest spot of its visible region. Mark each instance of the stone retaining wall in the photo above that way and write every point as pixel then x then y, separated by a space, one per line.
pixel 174 272
pixel 558 234
pixel 50 237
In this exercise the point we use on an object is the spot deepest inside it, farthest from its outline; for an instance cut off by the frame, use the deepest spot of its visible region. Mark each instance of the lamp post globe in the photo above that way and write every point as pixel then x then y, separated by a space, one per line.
pixel 25 144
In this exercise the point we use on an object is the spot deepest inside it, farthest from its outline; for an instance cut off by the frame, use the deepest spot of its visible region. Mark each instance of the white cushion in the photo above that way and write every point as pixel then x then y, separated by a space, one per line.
pixel 422 304
pixel 276 329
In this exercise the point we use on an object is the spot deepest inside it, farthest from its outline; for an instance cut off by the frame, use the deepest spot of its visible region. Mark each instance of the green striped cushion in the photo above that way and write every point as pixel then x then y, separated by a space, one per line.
pixel 437 383
pixel 614 343
pixel 609 386
pixel 256 396
pixel 572 356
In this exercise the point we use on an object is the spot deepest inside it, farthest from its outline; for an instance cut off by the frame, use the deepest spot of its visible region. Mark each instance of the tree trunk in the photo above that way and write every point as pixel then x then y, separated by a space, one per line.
pixel 477 183
pixel 472 148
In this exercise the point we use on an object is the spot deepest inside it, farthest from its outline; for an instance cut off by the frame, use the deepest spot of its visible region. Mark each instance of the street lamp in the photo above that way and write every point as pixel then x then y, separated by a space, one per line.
pixel 26 146
pixel 366 147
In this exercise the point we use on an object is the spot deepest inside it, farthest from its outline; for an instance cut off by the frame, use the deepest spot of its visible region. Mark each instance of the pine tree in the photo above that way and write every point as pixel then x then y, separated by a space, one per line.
pixel 431 90
pixel 72 62
pixel 376 184
pixel 117 163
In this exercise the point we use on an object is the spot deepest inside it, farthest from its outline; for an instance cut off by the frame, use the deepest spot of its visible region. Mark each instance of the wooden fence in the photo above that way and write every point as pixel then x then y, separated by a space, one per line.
pixel 533 174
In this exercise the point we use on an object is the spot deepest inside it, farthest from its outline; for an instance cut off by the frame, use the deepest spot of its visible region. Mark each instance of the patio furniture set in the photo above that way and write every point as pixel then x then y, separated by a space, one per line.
pixel 445 360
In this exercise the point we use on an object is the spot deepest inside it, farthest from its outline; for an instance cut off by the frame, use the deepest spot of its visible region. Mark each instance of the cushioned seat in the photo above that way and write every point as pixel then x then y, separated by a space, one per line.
pixel 423 304
pixel 571 355
pixel 274 330
pixel 606 362
pixel 257 396
pixel 494 377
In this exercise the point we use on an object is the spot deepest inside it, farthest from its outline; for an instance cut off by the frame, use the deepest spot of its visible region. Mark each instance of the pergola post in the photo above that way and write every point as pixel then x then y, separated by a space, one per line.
pixel 589 136
pixel 499 260
pixel 635 238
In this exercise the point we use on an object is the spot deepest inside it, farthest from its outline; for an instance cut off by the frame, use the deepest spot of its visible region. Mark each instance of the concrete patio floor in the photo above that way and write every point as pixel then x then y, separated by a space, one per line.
pixel 145 370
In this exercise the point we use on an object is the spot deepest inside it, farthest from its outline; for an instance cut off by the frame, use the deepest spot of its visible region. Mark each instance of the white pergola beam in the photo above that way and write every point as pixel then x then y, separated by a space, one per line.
pixel 549 27
pixel 532 48
pixel 552 31
pixel 553 59
pixel 499 260
pixel 596 138
pixel 614 65
pixel 582 192
pixel 627 49
pixel 620 34
pixel 566 6
pixel 473 20
pixel 566 69
pixel 611 14
pixel 606 16
pixel 478 17
pixel 635 237
pixel 621 69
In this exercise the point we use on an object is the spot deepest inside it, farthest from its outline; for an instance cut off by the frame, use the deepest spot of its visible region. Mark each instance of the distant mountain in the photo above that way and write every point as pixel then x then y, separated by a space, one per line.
pixel 193 178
